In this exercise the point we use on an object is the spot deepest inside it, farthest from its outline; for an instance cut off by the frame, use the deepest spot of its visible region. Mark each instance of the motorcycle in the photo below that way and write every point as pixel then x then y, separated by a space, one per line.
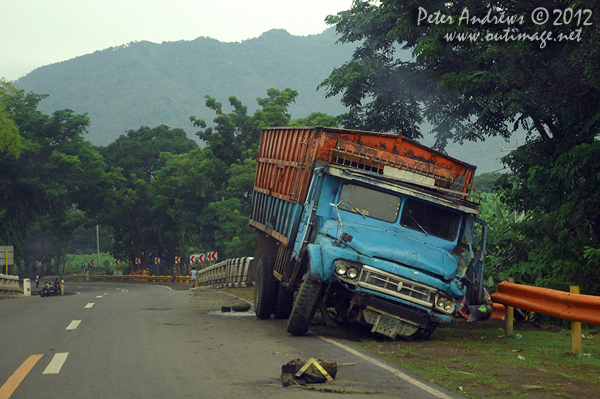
pixel 50 290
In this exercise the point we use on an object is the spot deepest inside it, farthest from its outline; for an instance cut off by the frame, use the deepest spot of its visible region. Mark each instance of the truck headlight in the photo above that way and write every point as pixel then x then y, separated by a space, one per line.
pixel 340 268
pixel 445 304
pixel 352 273
pixel 347 269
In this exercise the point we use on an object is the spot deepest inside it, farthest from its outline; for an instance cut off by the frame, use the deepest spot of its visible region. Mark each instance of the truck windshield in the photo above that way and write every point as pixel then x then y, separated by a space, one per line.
pixel 369 203
pixel 430 219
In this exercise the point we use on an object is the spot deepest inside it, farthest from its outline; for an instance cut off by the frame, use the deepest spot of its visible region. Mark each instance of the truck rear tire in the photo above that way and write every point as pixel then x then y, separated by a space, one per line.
pixel 304 307
pixel 285 302
pixel 265 288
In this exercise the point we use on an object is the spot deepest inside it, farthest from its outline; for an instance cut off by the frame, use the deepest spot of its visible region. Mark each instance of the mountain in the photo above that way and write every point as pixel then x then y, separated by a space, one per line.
pixel 145 83
pixel 148 84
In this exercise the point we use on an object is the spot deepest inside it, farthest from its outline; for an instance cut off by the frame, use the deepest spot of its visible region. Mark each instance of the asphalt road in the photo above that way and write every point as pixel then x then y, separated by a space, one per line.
pixel 106 340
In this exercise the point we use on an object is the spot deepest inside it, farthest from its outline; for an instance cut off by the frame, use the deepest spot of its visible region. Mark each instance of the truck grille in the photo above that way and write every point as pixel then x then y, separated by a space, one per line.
pixel 377 280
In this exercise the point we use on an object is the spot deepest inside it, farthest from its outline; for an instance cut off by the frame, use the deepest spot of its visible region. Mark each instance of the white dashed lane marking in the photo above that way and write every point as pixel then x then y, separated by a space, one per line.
pixel 73 324
pixel 56 363
pixel 89 305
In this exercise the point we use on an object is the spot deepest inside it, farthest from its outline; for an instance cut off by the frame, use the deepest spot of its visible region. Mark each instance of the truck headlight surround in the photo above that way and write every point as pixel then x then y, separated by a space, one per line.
pixel 346 269
pixel 445 304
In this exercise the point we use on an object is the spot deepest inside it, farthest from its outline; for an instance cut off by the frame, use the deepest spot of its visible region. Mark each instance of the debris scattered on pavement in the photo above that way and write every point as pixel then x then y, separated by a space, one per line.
pixel 302 372
pixel 241 307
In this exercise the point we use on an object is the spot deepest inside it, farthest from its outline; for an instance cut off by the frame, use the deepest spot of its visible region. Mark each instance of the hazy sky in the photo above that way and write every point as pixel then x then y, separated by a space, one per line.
pixel 34 33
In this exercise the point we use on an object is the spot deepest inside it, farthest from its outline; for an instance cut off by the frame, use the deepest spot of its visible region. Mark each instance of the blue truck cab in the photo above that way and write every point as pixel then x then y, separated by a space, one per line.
pixel 372 247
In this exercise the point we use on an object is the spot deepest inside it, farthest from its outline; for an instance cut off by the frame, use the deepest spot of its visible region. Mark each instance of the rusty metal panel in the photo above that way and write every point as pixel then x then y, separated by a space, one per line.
pixel 395 150
pixel 285 162
pixel 287 157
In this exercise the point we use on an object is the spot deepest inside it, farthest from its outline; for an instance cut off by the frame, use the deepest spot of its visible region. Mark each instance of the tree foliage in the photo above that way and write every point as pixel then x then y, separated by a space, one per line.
pixel 467 90
pixel 236 135
pixel 562 198
pixel 10 139
pixel 234 142
pixel 56 184
pixel 138 155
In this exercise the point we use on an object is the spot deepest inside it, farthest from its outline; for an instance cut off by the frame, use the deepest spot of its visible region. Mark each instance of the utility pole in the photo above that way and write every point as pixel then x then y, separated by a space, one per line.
pixel 510 149
pixel 98 245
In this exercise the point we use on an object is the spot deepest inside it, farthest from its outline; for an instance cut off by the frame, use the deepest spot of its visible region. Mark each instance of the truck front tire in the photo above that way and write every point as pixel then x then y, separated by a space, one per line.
pixel 265 288
pixel 304 307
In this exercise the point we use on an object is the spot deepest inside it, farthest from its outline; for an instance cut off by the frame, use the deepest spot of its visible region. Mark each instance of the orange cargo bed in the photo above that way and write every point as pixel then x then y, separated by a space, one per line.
pixel 287 157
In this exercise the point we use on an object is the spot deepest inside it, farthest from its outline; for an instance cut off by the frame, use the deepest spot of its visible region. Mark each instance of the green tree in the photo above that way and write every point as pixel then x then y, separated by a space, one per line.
pixel 234 140
pixel 227 220
pixel 236 135
pixel 274 110
pixel 466 90
pixel 57 183
pixel 138 155
pixel 10 139
pixel 179 194
pixel 316 119
pixel 562 198
pixel 485 182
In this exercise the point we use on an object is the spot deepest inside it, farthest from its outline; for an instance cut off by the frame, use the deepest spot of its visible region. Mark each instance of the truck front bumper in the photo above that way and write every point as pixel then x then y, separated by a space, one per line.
pixel 392 319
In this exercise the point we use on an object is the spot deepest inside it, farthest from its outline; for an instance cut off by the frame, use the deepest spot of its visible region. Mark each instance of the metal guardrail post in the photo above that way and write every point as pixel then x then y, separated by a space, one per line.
pixel 510 315
pixel 576 329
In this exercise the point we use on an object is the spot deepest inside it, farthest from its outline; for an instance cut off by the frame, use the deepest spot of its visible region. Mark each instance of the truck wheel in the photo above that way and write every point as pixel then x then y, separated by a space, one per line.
pixel 285 302
pixel 265 288
pixel 304 306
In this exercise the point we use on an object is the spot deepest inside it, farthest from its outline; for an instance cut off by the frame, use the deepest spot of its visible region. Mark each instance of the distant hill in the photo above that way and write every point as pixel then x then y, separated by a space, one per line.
pixel 147 84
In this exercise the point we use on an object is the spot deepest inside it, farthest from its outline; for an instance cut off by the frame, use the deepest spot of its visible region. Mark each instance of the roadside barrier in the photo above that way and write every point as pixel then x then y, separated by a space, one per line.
pixel 564 305
pixel 229 273
pixel 570 306
pixel 10 286
pixel 130 278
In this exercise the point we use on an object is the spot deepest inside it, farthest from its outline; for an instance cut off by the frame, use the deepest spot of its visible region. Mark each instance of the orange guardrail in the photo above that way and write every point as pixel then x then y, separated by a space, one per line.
pixel 564 305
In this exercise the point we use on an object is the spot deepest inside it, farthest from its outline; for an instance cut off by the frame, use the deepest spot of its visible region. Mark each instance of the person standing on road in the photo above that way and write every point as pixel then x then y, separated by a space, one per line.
pixel 62 285
pixel 174 275
pixel 194 273
pixel 37 280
